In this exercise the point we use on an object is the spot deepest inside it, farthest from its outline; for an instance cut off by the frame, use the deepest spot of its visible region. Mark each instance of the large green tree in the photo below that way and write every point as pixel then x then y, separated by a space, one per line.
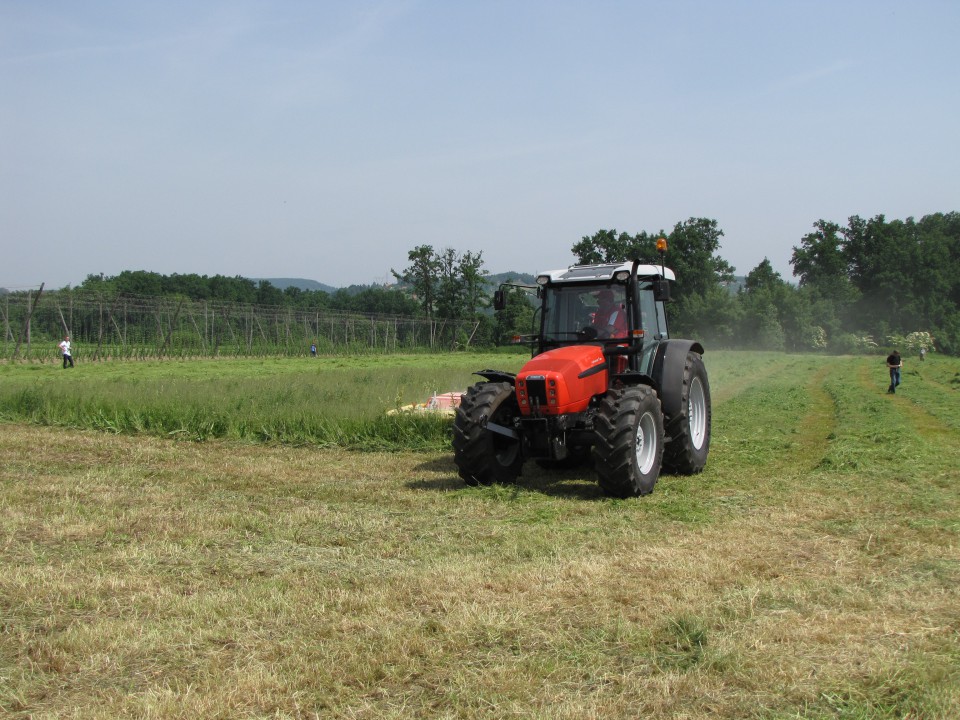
pixel 422 277
pixel 606 246
pixel 820 262
pixel 449 285
pixel 474 279
pixel 936 266
pixel 775 316
pixel 881 277
pixel 516 318
pixel 450 297
pixel 692 254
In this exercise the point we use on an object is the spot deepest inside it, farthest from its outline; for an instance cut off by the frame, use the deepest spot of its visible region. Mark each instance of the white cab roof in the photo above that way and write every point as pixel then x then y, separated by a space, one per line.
pixel 584 273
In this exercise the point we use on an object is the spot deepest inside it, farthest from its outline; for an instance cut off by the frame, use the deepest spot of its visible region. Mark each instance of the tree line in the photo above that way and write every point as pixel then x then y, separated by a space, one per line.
pixel 244 291
pixel 872 283
pixel 869 283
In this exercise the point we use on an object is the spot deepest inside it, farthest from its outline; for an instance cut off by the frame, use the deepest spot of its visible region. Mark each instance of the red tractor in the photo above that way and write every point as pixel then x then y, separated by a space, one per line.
pixel 605 382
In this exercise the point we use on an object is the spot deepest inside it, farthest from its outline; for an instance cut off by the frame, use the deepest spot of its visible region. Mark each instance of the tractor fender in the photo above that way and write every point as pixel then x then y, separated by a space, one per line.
pixel 497 376
pixel 668 372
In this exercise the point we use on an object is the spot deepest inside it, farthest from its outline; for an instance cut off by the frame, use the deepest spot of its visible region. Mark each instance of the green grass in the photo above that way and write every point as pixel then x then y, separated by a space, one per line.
pixel 326 402
pixel 810 572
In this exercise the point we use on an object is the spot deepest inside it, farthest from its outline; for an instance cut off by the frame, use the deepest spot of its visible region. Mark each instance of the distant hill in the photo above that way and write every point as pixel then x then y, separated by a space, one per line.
pixel 515 277
pixel 301 283
pixel 493 280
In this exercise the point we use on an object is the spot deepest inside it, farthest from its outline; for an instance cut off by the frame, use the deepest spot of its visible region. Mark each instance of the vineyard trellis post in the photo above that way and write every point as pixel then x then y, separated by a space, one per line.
pixel 120 333
pixel 31 306
pixel 96 353
pixel 203 339
pixel 172 324
pixel 66 328
pixel 259 327
pixel 233 337
pixel 110 309
pixel 476 326
pixel 7 332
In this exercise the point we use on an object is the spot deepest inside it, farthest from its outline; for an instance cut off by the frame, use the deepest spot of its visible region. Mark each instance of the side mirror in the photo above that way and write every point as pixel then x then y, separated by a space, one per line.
pixel 499 300
pixel 661 290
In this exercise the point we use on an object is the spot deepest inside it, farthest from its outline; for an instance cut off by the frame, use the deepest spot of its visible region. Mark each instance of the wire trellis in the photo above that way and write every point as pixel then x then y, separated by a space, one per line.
pixel 134 327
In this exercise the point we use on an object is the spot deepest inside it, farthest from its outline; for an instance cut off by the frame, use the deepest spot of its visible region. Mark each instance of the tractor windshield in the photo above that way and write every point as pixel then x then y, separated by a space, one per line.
pixel 585 312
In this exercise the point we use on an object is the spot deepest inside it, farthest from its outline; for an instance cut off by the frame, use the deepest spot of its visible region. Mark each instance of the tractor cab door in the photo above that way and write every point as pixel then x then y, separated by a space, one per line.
pixel 653 316
pixel 653 321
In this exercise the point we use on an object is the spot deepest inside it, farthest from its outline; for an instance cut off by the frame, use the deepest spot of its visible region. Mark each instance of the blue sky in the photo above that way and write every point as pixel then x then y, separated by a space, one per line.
pixel 327 139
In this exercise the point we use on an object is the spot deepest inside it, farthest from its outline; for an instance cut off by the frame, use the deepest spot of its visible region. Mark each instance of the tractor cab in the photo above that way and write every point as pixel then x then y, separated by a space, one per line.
pixel 618 307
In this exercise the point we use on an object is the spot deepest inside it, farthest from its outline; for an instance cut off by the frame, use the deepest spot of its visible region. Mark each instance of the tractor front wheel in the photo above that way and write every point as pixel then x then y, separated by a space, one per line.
pixel 628 446
pixel 483 455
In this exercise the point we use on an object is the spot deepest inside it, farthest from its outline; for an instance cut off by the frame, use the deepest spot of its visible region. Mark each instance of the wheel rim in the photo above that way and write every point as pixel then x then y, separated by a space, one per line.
pixel 697 413
pixel 646 443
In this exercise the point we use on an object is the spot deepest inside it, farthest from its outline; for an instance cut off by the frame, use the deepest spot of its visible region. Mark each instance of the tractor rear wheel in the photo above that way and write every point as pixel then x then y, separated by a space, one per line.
pixel 689 430
pixel 483 456
pixel 628 447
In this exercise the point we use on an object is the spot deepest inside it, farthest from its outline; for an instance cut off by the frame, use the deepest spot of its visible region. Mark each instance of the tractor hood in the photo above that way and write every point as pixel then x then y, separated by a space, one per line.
pixel 561 381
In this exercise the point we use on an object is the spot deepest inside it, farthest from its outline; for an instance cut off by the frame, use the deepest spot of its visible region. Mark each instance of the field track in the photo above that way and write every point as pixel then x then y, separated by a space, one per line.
pixel 811 571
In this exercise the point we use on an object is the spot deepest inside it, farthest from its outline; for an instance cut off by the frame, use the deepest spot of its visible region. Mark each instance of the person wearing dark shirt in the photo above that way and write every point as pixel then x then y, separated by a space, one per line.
pixel 895 363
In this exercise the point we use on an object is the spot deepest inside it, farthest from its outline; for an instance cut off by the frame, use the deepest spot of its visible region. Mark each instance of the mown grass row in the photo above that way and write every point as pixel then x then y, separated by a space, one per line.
pixel 861 492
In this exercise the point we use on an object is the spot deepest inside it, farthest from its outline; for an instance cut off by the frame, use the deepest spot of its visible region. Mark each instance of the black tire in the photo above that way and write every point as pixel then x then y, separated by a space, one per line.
pixel 481 455
pixel 628 447
pixel 689 431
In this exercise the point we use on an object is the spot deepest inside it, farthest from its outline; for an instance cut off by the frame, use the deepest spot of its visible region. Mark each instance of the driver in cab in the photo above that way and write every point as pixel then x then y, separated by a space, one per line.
pixel 610 320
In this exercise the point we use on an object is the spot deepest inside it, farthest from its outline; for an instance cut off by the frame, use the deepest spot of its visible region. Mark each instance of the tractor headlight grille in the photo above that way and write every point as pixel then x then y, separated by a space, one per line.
pixel 537 389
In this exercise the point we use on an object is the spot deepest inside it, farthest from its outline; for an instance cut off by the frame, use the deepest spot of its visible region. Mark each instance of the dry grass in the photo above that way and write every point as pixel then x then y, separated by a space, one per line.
pixel 808 573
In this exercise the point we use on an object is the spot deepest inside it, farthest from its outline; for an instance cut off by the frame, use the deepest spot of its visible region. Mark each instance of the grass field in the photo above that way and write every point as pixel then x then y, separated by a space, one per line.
pixel 810 572
pixel 326 402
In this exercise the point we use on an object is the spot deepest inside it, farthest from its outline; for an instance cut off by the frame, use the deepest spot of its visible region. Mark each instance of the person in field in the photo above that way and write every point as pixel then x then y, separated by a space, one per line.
pixel 65 351
pixel 894 363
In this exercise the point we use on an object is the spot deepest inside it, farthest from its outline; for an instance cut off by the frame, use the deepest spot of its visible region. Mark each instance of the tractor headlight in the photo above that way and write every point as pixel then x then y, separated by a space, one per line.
pixel 622 276
pixel 543 279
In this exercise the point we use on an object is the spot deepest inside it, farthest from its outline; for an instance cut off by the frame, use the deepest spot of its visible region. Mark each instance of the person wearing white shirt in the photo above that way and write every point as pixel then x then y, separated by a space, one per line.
pixel 65 351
